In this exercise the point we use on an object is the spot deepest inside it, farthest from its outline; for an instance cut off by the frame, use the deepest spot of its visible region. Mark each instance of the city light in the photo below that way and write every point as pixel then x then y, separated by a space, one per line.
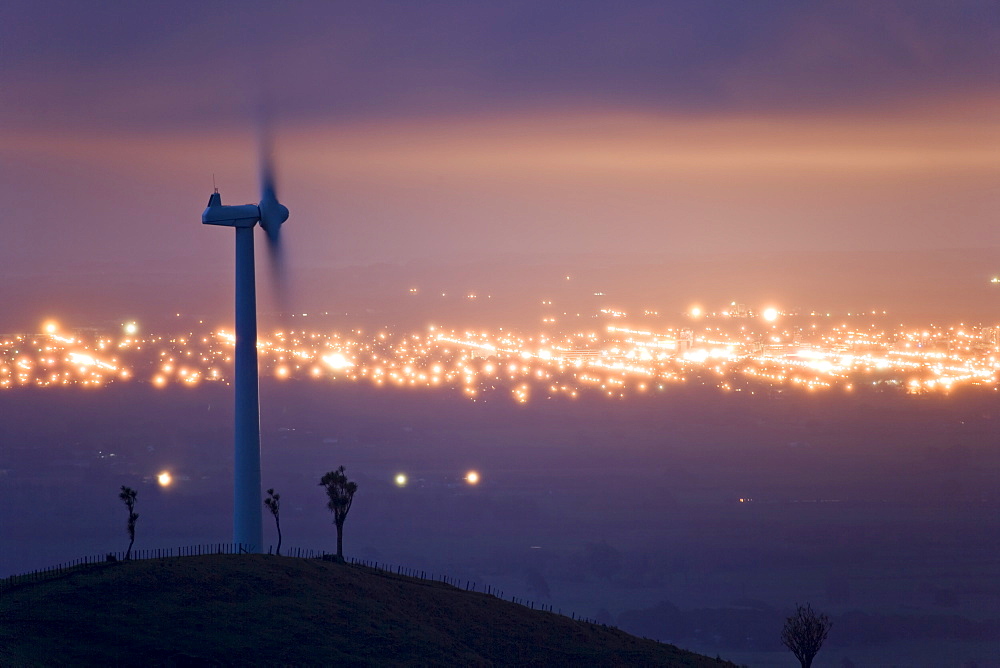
pixel 806 352
pixel 337 361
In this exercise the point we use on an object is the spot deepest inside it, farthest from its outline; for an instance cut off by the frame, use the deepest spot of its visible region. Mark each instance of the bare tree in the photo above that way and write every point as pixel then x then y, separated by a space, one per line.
pixel 340 492
pixel 128 496
pixel 804 633
pixel 273 503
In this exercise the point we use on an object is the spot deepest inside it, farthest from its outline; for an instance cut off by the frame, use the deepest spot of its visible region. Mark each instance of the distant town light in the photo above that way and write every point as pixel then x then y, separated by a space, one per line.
pixel 553 364
pixel 337 361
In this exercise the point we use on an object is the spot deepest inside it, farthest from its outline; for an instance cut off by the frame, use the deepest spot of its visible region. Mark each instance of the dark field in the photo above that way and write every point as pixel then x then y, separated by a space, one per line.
pixel 881 510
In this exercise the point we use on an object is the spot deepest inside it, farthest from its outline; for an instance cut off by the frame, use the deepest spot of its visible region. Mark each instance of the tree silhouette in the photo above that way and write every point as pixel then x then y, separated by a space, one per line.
pixel 340 492
pixel 804 633
pixel 273 503
pixel 128 496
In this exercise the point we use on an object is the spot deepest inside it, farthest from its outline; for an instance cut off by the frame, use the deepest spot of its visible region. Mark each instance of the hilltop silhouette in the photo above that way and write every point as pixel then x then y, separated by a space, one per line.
pixel 223 610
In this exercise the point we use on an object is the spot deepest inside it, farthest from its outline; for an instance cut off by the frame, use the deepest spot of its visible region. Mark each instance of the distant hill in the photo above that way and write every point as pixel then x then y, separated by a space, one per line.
pixel 224 610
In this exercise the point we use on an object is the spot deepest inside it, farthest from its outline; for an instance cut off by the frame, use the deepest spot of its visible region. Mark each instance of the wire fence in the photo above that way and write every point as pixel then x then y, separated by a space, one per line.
pixel 111 559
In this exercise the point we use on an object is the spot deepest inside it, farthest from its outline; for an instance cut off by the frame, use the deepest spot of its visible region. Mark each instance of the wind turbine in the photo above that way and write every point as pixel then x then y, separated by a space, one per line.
pixel 247 527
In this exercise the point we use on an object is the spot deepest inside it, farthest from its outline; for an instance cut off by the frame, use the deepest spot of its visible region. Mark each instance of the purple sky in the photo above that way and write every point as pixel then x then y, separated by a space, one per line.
pixel 448 130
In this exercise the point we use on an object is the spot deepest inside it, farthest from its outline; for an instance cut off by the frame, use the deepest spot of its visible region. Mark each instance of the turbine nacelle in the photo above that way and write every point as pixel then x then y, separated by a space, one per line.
pixel 270 213
pixel 240 215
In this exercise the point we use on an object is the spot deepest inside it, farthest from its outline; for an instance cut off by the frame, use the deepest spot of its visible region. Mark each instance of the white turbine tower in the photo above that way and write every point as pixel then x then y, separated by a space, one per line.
pixel 247 527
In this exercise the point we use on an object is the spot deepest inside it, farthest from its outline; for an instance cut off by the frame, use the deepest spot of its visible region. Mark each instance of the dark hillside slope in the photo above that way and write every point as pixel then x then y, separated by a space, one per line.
pixel 265 610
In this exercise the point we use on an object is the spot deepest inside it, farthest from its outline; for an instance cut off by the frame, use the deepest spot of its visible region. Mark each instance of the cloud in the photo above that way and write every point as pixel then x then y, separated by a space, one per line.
pixel 571 145
pixel 633 144
pixel 189 63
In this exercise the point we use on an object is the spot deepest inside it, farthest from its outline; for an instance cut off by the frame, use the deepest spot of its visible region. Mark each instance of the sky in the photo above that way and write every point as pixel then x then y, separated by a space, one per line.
pixel 436 132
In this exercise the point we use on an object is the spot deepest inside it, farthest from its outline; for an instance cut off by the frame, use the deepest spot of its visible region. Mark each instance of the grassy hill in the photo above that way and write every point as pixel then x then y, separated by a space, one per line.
pixel 262 610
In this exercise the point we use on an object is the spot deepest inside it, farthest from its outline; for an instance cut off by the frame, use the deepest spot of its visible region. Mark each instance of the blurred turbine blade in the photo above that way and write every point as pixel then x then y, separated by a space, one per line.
pixel 279 272
pixel 272 213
